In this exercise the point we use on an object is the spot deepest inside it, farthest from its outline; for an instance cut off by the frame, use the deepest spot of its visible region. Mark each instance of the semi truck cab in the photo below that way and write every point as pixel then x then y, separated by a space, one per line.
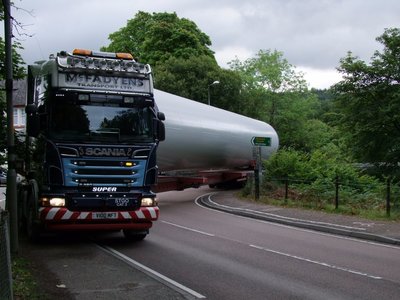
pixel 93 128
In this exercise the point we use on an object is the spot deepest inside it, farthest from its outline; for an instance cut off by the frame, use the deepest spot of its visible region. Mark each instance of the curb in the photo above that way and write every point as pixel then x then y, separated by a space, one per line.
pixel 207 202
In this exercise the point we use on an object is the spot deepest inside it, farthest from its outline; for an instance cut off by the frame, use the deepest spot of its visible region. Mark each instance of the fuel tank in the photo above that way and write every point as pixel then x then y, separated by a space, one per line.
pixel 201 137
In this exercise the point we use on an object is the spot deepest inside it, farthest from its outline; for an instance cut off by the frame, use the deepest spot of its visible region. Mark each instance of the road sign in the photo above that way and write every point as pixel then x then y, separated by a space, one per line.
pixel 261 141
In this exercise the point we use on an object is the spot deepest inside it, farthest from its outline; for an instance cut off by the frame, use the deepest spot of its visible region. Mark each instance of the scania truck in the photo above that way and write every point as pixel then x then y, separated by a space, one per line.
pixel 93 128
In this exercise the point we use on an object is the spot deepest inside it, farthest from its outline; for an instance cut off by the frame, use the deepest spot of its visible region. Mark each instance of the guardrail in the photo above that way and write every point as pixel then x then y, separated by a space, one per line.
pixel 382 196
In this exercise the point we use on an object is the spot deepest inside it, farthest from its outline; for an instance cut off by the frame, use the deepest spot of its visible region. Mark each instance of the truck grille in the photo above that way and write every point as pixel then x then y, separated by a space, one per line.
pixel 96 202
pixel 97 172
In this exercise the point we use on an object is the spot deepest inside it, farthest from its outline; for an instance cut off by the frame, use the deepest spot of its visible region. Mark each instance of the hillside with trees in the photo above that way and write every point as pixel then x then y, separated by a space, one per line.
pixel 324 134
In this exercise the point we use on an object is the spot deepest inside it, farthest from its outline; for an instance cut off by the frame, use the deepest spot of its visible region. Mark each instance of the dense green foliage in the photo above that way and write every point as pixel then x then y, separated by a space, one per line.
pixel 359 126
pixel 190 78
pixel 18 73
pixel 180 55
pixel 274 92
pixel 155 38
pixel 368 101
pixel 314 180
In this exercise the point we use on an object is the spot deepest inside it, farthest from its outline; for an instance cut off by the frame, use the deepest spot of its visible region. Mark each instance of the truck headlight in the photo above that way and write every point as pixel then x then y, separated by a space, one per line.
pixel 149 201
pixel 57 202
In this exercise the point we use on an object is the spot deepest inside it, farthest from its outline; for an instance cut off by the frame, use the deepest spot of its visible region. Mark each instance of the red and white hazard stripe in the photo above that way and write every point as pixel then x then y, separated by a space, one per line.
pixel 63 214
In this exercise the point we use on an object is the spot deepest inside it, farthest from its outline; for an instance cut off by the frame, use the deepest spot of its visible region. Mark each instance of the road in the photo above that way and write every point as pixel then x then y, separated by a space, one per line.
pixel 222 256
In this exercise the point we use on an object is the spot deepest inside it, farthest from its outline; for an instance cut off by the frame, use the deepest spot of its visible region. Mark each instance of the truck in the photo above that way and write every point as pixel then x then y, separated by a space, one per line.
pixel 93 129
pixel 101 142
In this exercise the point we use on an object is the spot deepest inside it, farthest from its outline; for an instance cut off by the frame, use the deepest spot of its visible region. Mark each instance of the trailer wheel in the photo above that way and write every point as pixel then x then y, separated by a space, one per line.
pixel 135 236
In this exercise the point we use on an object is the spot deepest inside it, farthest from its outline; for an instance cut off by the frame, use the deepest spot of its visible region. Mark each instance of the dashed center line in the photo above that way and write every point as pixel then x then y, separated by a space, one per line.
pixel 188 228
pixel 317 262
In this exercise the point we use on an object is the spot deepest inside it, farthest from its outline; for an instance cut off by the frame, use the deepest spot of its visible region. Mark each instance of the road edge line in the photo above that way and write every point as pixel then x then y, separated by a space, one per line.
pixel 152 273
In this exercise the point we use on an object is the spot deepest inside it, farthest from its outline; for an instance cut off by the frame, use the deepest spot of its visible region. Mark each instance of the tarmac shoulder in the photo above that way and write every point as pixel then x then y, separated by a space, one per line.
pixel 353 226
pixel 74 269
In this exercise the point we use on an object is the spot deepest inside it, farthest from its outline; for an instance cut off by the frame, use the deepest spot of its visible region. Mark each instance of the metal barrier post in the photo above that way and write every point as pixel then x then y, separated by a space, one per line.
pixel 337 192
pixel 388 197
pixel 257 171
pixel 6 291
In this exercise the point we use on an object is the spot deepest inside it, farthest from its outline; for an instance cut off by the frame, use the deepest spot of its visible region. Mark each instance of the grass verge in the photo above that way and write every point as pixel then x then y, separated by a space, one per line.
pixel 25 287
pixel 376 213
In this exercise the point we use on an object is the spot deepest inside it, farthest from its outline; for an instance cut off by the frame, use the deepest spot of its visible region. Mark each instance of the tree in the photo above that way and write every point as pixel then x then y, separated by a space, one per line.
pixel 369 101
pixel 191 77
pixel 186 77
pixel 274 92
pixel 155 38
pixel 18 73
pixel 18 70
pixel 179 53
pixel 18 62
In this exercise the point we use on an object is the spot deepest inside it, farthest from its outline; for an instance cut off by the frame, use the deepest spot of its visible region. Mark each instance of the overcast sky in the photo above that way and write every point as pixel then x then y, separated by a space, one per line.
pixel 312 34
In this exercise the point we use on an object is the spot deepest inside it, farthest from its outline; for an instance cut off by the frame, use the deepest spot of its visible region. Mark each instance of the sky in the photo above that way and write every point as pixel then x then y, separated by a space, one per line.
pixel 313 35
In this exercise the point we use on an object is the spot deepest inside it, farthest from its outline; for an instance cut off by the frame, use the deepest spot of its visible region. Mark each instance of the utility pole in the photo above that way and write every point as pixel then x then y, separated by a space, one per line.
pixel 11 194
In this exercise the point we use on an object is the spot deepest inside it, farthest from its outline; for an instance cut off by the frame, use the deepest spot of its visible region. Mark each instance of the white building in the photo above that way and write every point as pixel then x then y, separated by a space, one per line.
pixel 19 103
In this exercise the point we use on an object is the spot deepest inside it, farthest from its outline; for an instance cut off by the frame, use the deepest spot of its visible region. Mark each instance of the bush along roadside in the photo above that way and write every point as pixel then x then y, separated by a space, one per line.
pixel 325 181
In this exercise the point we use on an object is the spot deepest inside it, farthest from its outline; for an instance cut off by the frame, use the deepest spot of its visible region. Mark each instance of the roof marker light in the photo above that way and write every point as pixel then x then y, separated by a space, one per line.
pixel 124 56
pixel 82 52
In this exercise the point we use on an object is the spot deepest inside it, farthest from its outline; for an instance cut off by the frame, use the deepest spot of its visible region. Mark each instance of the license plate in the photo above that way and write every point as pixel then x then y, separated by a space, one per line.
pixel 104 215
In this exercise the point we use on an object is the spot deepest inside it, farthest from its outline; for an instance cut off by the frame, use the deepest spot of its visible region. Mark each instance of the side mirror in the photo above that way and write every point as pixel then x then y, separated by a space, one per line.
pixel 161 116
pixel 31 109
pixel 159 130
pixel 32 120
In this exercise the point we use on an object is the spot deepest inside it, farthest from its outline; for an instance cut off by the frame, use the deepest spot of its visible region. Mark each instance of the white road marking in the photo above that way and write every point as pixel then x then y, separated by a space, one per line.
pixel 317 262
pixel 293 226
pixel 151 272
pixel 187 228
pixel 283 217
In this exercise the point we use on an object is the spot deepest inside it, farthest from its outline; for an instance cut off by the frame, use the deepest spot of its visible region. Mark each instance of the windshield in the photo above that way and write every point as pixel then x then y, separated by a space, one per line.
pixel 109 120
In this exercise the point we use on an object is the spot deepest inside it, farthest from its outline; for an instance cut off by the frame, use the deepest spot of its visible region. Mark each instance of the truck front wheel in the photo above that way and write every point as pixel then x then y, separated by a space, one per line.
pixel 132 235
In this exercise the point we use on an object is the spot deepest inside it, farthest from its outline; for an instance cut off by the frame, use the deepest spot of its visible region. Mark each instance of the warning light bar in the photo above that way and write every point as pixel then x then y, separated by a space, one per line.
pixel 119 55
pixel 97 60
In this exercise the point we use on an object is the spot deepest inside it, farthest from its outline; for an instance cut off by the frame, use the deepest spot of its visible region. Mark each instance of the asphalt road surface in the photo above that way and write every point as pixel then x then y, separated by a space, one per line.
pixel 215 255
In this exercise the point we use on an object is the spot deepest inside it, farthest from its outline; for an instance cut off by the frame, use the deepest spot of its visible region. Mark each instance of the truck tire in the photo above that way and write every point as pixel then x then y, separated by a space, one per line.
pixel 135 236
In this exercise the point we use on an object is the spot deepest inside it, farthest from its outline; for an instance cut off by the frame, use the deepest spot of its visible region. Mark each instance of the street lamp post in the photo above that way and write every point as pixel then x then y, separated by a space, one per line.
pixel 214 83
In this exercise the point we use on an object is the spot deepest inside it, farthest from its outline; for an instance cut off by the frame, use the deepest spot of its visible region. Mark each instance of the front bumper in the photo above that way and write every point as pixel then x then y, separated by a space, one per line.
pixel 60 218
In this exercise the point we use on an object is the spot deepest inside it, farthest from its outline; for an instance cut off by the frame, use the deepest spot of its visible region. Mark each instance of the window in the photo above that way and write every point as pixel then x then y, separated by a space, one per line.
pixel 19 117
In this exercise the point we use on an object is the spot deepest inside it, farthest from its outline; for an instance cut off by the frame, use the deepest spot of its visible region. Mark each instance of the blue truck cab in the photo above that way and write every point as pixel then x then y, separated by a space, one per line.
pixel 93 128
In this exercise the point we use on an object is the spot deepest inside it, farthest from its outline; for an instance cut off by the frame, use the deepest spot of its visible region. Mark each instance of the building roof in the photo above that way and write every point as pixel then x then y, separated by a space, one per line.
pixel 20 88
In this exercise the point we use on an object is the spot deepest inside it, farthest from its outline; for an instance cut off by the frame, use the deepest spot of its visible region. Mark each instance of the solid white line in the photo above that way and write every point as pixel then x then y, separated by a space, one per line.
pixel 283 217
pixel 295 228
pixel 187 228
pixel 152 272
pixel 316 262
